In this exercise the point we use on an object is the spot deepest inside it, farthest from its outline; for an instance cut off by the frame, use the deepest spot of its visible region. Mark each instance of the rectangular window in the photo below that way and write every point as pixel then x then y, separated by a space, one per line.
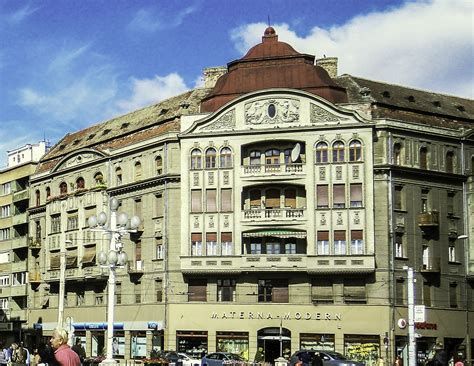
pixel 339 196
pixel 159 290
pixel 5 211
pixel 322 243
pixel 18 278
pixel 357 242
pixel 196 244
pixel 290 248
pixel 4 234
pixel 272 248
pixel 54 260
pixel 138 207
pixel 255 248
pixel 118 293
pixel 397 198
pixel 453 295
pixel 196 200
pixel 399 247
pixel 211 205
pixel 400 291
pixel 226 244
pixel 4 304
pixel 450 203
pixel 339 242
pixel 226 290
pixel 4 257
pixel 138 251
pixel 55 223
pixel 197 290
pixel 159 205
pixel 425 200
pixel 322 197
pixel 211 243
pixel 356 195
pixel 255 199
pixel 5 280
pixel 354 291
pixel 159 248
pixel 452 251
pixel 322 291
pixel 426 293
pixel 275 291
pixel 226 200
pixel 138 292
pixel 72 221
pixel 6 188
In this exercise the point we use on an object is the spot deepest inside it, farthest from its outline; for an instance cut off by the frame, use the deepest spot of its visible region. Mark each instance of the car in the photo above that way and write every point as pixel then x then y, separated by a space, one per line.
pixel 222 358
pixel 170 356
pixel 330 358
pixel 188 360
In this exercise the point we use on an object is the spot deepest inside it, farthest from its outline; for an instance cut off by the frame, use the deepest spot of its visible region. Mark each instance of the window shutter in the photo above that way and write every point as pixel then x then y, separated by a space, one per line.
pixel 272 198
pixel 280 294
pixel 339 235
pixel 211 237
pixel 354 291
pixel 339 193
pixel 226 200
pixel 55 261
pixel 196 203
pixel 323 235
pixel 71 258
pixel 322 196
pixel 196 237
pixel 89 255
pixel 211 200
pixel 197 290
pixel 356 192
pixel 322 290
pixel 290 198
pixel 226 237
pixel 356 234
pixel 255 199
pixel 138 251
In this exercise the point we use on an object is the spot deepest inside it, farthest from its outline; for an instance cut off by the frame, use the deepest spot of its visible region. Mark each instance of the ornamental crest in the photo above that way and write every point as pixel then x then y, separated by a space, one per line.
pixel 272 111
pixel 77 160
pixel 319 114
pixel 224 122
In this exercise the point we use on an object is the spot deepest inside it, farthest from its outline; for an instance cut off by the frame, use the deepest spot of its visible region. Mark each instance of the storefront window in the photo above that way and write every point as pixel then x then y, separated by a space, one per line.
pixel 194 343
pixel 138 345
pixel 363 348
pixel 118 344
pixel 233 342
pixel 157 341
pixel 97 343
pixel 317 341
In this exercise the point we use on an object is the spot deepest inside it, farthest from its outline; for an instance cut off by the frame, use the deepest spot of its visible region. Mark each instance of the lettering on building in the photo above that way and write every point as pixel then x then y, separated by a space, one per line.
pixel 261 315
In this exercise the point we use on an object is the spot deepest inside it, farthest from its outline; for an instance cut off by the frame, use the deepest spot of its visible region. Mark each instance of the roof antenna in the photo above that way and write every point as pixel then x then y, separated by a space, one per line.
pixel 268 16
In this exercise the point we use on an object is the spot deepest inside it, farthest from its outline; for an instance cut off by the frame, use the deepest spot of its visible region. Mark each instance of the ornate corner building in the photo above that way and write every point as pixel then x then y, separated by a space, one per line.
pixel 279 204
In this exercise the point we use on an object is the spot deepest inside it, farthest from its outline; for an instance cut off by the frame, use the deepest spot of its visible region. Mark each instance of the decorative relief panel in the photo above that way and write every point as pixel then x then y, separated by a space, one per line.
pixel 196 179
pixel 211 222
pixel 338 172
pixel 210 178
pixel 226 178
pixel 339 219
pixel 318 114
pixel 226 221
pixel 196 222
pixel 224 122
pixel 77 160
pixel 323 219
pixel 322 173
pixel 356 218
pixel 355 171
pixel 272 111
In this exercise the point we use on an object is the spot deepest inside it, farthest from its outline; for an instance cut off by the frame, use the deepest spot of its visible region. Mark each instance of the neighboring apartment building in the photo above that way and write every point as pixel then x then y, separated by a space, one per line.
pixel 14 239
pixel 279 205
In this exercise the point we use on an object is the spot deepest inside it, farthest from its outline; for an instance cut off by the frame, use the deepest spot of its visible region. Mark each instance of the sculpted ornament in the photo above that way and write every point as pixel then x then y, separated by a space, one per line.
pixel 224 122
pixel 272 111
pixel 77 160
pixel 319 114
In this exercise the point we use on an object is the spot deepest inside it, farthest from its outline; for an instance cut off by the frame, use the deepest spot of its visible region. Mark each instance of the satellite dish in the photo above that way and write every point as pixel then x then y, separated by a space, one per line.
pixel 295 152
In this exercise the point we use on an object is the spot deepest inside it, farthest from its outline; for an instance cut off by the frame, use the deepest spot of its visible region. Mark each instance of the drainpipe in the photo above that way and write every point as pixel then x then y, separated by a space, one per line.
pixel 391 242
pixel 165 240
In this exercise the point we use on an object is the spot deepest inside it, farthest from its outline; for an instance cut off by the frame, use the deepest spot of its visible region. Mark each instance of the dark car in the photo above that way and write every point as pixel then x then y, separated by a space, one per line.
pixel 222 358
pixel 170 356
pixel 330 358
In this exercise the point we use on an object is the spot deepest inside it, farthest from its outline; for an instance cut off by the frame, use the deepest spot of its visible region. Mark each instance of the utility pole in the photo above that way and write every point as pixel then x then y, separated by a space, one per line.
pixel 411 317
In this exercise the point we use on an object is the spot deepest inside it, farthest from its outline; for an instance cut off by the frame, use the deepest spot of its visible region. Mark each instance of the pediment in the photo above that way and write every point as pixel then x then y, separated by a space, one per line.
pixel 276 108
pixel 78 158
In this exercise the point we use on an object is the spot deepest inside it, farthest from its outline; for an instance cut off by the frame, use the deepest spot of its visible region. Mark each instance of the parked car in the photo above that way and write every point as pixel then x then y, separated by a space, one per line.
pixel 171 357
pixel 330 358
pixel 188 360
pixel 222 358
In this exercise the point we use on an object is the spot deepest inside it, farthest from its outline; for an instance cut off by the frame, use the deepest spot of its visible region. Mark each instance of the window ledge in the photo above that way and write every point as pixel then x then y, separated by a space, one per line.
pixel 456 263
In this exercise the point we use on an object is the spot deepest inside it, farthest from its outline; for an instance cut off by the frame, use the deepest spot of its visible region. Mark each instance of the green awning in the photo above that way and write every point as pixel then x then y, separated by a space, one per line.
pixel 275 234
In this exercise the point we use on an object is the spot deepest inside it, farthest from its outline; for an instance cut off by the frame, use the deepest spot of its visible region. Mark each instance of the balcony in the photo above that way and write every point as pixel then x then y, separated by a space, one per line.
pixel 19 218
pixel 136 267
pixel 19 266
pixel 428 219
pixel 34 243
pixel 34 277
pixel 431 265
pixel 77 274
pixel 278 263
pixel 20 242
pixel 260 170
pixel 18 290
pixel 21 195
pixel 272 214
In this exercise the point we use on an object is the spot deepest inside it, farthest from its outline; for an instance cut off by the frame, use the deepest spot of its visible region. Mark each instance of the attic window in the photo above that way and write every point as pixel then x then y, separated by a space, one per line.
pixel 364 92
pixel 61 147
pixel 76 141
pixel 437 103
pixel 460 108
pixel 163 111
pixel 411 98
pixel 91 136
pixel 184 104
pixel 386 94
pixel 125 125
pixel 106 131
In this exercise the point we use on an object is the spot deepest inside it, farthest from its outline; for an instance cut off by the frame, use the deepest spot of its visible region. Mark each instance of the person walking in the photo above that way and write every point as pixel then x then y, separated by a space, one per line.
pixel 63 354
pixel 79 349
pixel 3 354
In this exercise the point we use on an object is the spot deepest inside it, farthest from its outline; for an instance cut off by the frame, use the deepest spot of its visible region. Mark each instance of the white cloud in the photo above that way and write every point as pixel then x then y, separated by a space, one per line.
pixel 422 44
pixel 148 91
pixel 152 20
pixel 20 15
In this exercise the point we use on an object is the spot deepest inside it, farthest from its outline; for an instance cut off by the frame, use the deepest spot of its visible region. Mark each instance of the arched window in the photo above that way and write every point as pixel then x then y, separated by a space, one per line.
pixel 355 151
pixel 423 158
pixel 80 183
pixel 338 152
pixel 449 162
pixel 138 171
pixel 321 152
pixel 255 157
pixel 63 188
pixel 272 198
pixel 272 157
pixel 37 197
pixel 118 175
pixel 226 158
pixel 397 153
pixel 98 178
pixel 159 165
pixel 211 158
pixel 48 192
pixel 196 161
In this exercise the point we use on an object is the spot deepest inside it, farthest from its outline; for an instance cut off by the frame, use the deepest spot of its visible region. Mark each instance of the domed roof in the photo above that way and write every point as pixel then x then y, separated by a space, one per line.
pixel 272 64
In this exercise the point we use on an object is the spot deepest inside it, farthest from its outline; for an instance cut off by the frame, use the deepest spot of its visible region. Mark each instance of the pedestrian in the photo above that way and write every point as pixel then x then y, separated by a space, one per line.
pixel 317 360
pixel 3 354
pixel 64 355
pixel 36 359
pixel 27 358
pixel 18 357
pixel 458 362
pixel 79 349
pixel 440 357
pixel 305 358
pixel 46 354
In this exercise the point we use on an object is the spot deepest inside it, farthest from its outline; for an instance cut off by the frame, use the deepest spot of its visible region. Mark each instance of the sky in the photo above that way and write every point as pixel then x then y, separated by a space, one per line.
pixel 69 64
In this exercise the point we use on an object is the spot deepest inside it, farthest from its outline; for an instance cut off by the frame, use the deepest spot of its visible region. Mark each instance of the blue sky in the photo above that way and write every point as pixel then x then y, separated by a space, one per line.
pixel 68 64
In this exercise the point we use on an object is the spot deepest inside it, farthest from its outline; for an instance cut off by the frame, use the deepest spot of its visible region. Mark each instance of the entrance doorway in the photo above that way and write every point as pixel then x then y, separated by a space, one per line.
pixel 275 342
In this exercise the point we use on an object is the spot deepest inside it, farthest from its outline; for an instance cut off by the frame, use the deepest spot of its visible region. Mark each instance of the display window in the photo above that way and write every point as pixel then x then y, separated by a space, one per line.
pixel 97 343
pixel 138 344
pixel 363 348
pixel 194 343
pixel 233 342
pixel 118 345
pixel 317 341
pixel 157 342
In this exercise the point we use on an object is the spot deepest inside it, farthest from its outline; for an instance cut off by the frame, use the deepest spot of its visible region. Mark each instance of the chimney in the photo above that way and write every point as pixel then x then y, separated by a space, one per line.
pixel 329 64
pixel 211 74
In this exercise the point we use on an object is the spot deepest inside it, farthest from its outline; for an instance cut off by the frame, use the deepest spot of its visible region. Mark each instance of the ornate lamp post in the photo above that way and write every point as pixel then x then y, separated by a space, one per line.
pixel 119 225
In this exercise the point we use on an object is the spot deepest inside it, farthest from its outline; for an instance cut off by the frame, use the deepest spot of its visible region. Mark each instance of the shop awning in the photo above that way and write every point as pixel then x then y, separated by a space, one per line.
pixel 275 234
pixel 274 338
pixel 89 255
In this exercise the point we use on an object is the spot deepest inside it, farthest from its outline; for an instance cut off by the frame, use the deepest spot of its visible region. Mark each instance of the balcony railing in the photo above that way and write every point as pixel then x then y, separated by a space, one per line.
pixel 136 266
pixel 274 213
pixel 21 195
pixel 34 277
pixel 19 242
pixel 428 219
pixel 431 264
pixel 19 218
pixel 290 168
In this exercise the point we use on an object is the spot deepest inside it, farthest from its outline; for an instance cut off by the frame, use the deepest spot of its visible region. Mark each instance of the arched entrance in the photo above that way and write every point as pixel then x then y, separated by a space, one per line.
pixel 275 342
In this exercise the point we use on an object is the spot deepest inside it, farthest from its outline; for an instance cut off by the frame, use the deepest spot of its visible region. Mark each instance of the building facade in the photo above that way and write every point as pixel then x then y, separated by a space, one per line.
pixel 280 205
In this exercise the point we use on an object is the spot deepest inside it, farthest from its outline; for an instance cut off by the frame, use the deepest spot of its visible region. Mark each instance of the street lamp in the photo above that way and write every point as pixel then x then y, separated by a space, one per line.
pixel 115 257
pixel 411 317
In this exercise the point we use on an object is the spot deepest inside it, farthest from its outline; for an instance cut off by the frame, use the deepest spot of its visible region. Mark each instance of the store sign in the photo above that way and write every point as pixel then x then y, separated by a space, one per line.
pixel 425 325
pixel 93 326
pixel 260 315
pixel 420 313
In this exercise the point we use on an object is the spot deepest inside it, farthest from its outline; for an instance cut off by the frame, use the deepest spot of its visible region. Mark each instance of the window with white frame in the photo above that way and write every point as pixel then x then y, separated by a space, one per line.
pixel 323 243
pixel 5 211
pixel 55 223
pixel 5 280
pixel 4 257
pixel 355 151
pixel 226 244
pixel 18 278
pixel 159 248
pixel 290 248
pixel 452 251
pixel 6 188
pixel 339 242
pixel 338 152
pixel 73 221
pixel 225 158
pixel 211 243
pixel 255 248
pixel 4 303
pixel 210 158
pixel 196 159
pixel 357 242
pixel 399 248
pixel 273 248
pixel 4 234
pixel 196 244
pixel 321 152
